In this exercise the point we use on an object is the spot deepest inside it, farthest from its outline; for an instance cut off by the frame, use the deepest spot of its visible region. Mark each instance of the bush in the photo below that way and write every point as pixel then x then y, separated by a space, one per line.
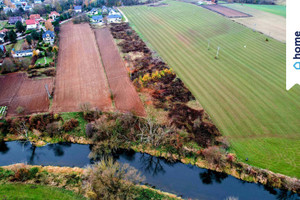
pixel 89 130
pixel 20 110
pixel 108 180
pixel 70 125
pixel 53 129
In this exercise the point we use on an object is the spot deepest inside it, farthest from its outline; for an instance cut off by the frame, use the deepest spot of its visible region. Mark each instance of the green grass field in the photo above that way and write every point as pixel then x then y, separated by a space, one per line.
pixel 275 9
pixel 44 60
pixel 243 91
pixel 37 192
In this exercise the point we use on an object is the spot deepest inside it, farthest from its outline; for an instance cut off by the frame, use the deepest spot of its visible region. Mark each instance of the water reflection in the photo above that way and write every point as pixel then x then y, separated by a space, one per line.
pixel 3 147
pixel 188 180
pixel 209 176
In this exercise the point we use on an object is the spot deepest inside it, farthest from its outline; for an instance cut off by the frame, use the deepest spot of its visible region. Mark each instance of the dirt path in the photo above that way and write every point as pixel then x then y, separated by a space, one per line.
pixel 125 96
pixel 80 75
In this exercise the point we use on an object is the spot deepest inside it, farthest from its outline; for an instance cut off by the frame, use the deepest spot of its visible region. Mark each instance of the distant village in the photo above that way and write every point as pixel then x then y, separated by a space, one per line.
pixel 29 29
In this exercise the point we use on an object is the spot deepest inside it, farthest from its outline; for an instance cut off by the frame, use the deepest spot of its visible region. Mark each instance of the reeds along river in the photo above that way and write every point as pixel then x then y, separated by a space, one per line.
pixel 185 180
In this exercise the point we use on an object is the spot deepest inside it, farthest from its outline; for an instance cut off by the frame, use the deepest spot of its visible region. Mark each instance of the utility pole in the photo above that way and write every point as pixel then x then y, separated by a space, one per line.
pixel 47 90
pixel 217 56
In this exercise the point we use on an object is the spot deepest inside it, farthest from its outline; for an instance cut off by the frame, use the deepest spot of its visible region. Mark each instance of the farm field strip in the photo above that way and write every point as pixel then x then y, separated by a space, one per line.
pixel 243 91
pixel 227 12
pixel 124 94
pixel 274 9
pixel 17 90
pixel 270 24
pixel 80 75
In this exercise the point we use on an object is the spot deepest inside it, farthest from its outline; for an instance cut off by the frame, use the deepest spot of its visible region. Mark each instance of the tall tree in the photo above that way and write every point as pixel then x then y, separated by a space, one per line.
pixel 12 36
pixel 20 28
pixel 29 39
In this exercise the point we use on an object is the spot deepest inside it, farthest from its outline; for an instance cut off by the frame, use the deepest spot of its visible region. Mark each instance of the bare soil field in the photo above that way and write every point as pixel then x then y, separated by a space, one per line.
pixel 17 90
pixel 80 75
pixel 125 96
pixel 227 12
pixel 267 23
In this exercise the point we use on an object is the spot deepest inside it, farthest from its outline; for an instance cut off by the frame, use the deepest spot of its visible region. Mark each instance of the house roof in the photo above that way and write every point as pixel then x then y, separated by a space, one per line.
pixel 31 22
pixel 50 33
pixel 114 16
pixel 2 47
pixel 35 16
pixel 97 17
pixel 4 30
pixel 77 7
pixel 15 19
pixel 94 9
pixel 23 51
pixel 54 13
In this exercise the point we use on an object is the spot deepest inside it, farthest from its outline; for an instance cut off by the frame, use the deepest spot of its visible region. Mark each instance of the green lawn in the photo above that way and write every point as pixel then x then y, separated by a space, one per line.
pixel 243 91
pixel 275 9
pixel 36 192
pixel 44 60
pixel 80 130
pixel 18 45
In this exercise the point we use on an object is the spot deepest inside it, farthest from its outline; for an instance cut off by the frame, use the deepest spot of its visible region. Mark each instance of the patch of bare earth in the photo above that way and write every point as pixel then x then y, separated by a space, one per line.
pixel 80 75
pixel 124 94
pixel 17 90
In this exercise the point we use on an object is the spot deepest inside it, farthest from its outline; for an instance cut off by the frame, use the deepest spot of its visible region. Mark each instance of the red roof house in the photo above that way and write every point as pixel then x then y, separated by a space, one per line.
pixel 54 14
pixel 36 17
pixel 31 24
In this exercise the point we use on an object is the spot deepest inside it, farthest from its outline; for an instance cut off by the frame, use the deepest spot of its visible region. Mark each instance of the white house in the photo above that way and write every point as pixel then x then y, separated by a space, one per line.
pixel 94 11
pixel 31 24
pixel 49 37
pixel 78 9
pixel 53 15
pixel 20 54
pixel 97 19
pixel 114 18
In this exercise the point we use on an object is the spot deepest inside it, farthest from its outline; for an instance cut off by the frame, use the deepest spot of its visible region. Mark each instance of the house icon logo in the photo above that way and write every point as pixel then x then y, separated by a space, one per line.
pixel 297 65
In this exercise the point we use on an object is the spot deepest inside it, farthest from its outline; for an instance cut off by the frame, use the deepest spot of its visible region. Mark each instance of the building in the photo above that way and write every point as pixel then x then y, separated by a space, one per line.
pixel 112 11
pixel 78 9
pixel 2 47
pixel 14 20
pixel 104 10
pixel 53 15
pixel 114 18
pixel 35 17
pixel 20 54
pixel 31 24
pixel 94 11
pixel 2 37
pixel 28 8
pixel 37 2
pixel 97 19
pixel 49 37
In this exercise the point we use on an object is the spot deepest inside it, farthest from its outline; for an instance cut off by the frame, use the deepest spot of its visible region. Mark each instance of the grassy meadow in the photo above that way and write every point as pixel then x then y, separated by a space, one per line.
pixel 37 192
pixel 243 90
pixel 274 9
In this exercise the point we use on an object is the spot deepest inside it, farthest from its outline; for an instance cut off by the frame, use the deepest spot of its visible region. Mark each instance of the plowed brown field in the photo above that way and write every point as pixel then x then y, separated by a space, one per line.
pixel 17 90
pixel 80 75
pixel 227 12
pixel 125 96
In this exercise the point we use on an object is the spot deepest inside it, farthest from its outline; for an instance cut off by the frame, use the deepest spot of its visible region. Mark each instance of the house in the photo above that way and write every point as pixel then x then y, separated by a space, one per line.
pixel 49 37
pixel 31 24
pixel 2 37
pixel 94 11
pixel 28 8
pixel 104 10
pixel 112 11
pixel 20 54
pixel 78 9
pixel 53 15
pixel 2 47
pixel 14 20
pixel 35 17
pixel 37 2
pixel 114 18
pixel 97 19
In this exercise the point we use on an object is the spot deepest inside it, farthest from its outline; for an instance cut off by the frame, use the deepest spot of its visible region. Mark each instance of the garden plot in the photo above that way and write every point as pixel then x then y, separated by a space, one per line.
pixel 124 94
pixel 30 95
pixel 80 75
pixel 227 12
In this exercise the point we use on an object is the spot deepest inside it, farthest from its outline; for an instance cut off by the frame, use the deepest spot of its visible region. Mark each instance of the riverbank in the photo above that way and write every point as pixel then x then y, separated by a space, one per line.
pixel 64 177
pixel 234 168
